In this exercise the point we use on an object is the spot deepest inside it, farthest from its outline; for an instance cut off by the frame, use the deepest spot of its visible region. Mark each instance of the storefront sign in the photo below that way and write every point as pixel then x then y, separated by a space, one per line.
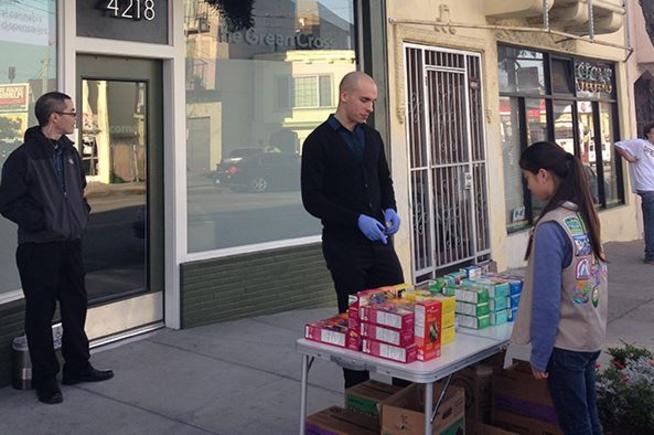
pixel 14 97
pixel 127 20
pixel 26 25
pixel 254 37
pixel 592 77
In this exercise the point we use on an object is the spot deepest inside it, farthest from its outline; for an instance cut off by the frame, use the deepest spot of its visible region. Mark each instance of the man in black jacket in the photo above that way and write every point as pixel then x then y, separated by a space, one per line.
pixel 42 191
pixel 346 183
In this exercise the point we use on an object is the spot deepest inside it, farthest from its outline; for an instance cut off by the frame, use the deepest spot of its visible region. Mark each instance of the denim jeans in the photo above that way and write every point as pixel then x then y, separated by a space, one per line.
pixel 647 200
pixel 571 383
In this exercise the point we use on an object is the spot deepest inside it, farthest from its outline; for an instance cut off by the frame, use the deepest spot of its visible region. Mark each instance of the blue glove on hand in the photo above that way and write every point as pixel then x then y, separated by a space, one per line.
pixel 372 229
pixel 392 221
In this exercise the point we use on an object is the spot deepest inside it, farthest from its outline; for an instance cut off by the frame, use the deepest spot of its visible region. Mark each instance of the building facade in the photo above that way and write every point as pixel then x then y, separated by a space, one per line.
pixel 192 114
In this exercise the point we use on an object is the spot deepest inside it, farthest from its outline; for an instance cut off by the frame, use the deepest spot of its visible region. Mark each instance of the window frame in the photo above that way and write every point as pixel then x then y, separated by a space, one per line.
pixel 550 98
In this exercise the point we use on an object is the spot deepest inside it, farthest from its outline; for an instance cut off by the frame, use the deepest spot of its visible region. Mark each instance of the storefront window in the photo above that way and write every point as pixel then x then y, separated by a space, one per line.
pixel 510 134
pixel 28 68
pixel 521 71
pixel 577 110
pixel 258 82
pixel 609 161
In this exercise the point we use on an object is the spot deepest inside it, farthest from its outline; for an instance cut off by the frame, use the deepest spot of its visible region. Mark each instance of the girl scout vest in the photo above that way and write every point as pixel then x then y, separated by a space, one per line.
pixel 584 291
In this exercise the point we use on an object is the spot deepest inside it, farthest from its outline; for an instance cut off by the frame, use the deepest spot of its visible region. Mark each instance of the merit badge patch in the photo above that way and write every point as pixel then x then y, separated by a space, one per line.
pixel 582 290
pixel 574 225
pixel 595 297
pixel 583 269
pixel 582 245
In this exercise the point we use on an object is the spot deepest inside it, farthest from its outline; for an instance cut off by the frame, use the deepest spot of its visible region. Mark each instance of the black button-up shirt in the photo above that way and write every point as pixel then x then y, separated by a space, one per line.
pixel 337 187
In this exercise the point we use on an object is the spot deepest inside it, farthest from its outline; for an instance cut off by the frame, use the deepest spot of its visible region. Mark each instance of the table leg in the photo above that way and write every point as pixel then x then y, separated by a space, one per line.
pixel 303 393
pixel 429 400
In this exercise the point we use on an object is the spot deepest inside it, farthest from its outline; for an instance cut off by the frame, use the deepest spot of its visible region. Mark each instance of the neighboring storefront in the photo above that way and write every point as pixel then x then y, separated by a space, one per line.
pixel 472 86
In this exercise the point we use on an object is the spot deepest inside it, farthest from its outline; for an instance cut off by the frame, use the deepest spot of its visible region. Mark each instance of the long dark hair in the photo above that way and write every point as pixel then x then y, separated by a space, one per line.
pixel 572 186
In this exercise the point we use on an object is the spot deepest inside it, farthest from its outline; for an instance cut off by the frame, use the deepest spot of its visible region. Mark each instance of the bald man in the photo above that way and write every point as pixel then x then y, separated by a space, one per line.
pixel 347 185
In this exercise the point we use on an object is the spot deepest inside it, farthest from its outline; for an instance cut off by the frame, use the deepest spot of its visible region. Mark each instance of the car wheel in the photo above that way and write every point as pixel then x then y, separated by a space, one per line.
pixel 258 184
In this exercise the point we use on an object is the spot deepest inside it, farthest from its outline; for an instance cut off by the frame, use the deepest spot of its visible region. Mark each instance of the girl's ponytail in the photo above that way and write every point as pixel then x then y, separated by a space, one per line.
pixel 573 186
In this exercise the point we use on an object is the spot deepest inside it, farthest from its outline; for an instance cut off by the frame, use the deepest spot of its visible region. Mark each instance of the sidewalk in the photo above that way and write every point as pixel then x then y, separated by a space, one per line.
pixel 243 377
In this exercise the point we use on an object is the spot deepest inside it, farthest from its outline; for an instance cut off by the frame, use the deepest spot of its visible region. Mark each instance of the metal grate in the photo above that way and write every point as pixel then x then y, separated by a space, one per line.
pixel 445 132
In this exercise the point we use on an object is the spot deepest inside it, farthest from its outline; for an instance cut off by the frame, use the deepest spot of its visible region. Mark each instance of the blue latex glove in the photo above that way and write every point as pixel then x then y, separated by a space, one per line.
pixel 392 221
pixel 372 229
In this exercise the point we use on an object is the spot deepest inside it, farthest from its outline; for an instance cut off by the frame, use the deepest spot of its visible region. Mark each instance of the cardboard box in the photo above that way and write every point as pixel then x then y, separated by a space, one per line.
pixel 496 287
pixel 479 428
pixel 521 403
pixel 447 335
pixel 396 316
pixel 499 317
pixel 339 421
pixel 428 329
pixel 403 412
pixel 473 295
pixel 477 382
pixel 367 397
pixel 388 351
pixel 396 337
pixel 497 304
pixel 370 297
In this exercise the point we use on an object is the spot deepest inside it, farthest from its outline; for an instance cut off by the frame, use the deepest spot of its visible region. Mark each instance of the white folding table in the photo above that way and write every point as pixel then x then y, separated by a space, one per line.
pixel 468 347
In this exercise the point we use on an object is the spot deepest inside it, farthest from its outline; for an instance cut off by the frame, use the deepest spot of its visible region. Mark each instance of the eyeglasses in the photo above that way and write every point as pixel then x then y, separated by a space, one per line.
pixel 67 113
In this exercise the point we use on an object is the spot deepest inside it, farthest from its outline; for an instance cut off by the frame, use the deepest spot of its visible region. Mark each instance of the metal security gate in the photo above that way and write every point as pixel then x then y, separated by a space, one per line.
pixel 445 132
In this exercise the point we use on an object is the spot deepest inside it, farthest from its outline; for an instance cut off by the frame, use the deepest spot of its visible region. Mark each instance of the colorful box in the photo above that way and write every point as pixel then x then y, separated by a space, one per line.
pixel 499 317
pixel 471 322
pixel 475 310
pixel 390 352
pixel 474 295
pixel 447 335
pixel 332 331
pixel 472 272
pixel 514 301
pixel 398 316
pixel 512 313
pixel 428 329
pixel 500 303
pixel 396 337
pixel 496 287
pixel 448 319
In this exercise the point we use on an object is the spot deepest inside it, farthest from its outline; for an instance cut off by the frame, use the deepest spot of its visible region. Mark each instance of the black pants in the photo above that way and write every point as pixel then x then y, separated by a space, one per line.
pixel 355 267
pixel 50 272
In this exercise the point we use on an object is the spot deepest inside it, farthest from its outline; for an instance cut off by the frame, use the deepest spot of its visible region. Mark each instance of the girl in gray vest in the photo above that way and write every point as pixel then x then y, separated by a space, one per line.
pixel 563 308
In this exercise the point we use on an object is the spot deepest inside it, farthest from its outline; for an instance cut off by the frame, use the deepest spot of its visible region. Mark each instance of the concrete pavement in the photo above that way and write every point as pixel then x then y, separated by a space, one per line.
pixel 242 377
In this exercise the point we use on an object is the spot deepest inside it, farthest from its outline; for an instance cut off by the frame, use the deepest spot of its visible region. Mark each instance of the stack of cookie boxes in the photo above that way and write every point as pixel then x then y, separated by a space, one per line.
pixel 397 323
pixel 483 300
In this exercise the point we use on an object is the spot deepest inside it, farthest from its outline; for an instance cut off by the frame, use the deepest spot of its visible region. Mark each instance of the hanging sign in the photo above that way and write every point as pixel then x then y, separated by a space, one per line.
pixel 593 77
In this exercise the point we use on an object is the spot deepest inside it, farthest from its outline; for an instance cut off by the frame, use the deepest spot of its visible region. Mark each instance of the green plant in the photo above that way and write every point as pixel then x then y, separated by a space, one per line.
pixel 625 391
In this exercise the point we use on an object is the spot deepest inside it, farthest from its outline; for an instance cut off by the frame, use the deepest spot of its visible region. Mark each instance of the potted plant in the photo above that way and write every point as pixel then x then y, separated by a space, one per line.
pixel 625 391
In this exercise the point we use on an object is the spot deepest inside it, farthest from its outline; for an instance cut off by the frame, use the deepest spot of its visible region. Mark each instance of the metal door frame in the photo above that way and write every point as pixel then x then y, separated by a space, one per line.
pixel 470 164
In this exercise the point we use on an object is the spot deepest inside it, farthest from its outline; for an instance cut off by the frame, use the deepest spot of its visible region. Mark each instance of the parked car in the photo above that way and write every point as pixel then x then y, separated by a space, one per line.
pixel 260 172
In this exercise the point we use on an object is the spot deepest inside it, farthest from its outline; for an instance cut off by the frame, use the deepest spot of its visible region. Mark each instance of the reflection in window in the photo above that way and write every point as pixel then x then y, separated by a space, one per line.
pixel 562 78
pixel 253 95
pixel 563 126
pixel 587 145
pixel 513 184
pixel 536 120
pixel 521 70
pixel 27 70
pixel 609 163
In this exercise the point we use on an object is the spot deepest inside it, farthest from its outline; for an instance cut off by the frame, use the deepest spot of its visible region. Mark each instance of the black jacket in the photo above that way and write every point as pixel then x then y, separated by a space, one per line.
pixel 32 197
pixel 336 188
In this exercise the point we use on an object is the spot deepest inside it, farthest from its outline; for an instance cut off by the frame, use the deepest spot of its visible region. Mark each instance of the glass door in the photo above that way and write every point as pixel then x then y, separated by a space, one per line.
pixel 120 140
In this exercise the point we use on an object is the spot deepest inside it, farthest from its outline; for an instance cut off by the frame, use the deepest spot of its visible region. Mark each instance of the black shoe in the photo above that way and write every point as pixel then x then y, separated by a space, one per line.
pixel 49 392
pixel 88 375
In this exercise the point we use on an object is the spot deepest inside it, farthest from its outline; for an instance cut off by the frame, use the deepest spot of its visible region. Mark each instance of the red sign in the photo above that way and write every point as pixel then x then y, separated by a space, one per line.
pixel 14 98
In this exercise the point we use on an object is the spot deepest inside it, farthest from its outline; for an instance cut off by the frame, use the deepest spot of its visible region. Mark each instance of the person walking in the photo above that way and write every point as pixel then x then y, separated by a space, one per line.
pixel 640 155
pixel 564 304
pixel 42 191
pixel 346 183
